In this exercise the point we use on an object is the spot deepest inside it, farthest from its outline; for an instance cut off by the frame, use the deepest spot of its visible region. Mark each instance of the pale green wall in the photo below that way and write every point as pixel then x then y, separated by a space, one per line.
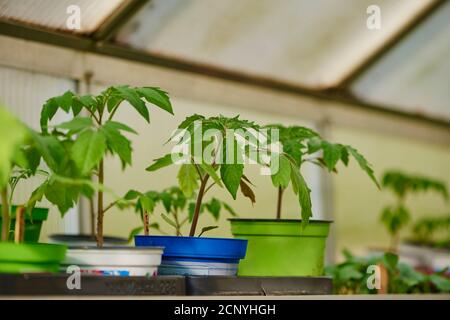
pixel 357 201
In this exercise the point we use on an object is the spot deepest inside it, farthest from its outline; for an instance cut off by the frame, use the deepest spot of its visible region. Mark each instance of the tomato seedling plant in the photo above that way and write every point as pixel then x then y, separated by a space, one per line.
pixel 92 137
pixel 395 217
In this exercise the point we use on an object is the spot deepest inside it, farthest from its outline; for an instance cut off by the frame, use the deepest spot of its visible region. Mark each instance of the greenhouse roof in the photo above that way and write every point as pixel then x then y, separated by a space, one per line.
pixel 321 47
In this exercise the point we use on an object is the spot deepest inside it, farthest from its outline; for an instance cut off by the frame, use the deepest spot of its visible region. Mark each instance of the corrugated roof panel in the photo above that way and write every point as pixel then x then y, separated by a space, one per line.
pixel 415 75
pixel 311 43
pixel 53 14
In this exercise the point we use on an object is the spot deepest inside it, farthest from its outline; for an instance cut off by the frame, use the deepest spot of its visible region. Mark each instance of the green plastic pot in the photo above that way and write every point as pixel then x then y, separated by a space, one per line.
pixel 281 247
pixel 31 257
pixel 33 223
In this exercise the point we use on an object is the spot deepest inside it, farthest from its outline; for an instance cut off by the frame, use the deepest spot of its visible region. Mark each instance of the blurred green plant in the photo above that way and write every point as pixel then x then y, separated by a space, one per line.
pixel 352 276
pixel 432 231
pixel 178 209
pixel 87 140
pixel 303 145
pixel 21 152
pixel 396 217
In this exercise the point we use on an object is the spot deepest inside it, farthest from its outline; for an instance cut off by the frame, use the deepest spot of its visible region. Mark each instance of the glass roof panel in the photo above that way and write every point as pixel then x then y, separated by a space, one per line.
pixel 415 75
pixel 53 14
pixel 304 42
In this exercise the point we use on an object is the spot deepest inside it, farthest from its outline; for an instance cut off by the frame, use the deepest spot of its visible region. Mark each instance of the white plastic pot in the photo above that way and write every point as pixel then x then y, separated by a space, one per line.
pixel 115 261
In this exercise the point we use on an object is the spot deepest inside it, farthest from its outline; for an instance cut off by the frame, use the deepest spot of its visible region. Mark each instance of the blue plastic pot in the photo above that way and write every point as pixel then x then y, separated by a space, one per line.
pixel 196 256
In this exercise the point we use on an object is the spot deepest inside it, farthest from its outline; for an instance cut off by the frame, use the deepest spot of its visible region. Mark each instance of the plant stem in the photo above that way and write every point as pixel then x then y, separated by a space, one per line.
pixel 198 204
pixel 92 212
pixel 280 199
pixel 100 206
pixel 112 204
pixel 146 223
pixel 5 214
pixel 177 223
pixel 19 231
pixel 395 239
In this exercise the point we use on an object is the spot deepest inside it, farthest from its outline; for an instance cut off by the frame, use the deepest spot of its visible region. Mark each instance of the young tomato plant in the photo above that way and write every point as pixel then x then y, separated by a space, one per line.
pixel 178 208
pixel 206 159
pixel 352 276
pixel 302 145
pixel 396 217
pixel 433 231
pixel 20 156
pixel 91 138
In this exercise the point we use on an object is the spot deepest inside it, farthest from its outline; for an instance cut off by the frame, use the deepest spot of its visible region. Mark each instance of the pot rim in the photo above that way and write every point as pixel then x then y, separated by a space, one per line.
pixel 85 237
pixel 188 237
pixel 277 220
pixel 115 248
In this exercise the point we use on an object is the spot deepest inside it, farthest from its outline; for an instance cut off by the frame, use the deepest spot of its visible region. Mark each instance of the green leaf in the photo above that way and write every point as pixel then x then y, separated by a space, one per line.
pixel 188 179
pixel 229 209
pixel 146 203
pixel 62 195
pixel 87 101
pixel 294 149
pixel 36 196
pixel 168 220
pixel 161 163
pixel 364 165
pixel 119 126
pixel 113 102
pixel 12 135
pixel 247 191
pixel 88 150
pixel 76 125
pixel 134 233
pixel 33 158
pixel 231 175
pixel 65 101
pixel 134 99
pixel 350 272
pixel 190 120
pixel 212 173
pixel 409 275
pixel 304 193
pixel 206 229
pixel 132 194
pixel 214 207
pixel 314 145
pixel 166 200
pixel 441 283
pixel 390 261
pixel 191 211
pixel 282 177
pixel 48 111
pixel 157 97
pixel 331 154
pixel 117 143
pixel 50 148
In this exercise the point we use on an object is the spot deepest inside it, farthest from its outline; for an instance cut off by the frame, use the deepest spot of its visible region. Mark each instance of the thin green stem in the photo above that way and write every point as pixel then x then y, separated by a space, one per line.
pixel 279 202
pixel 5 214
pixel 100 212
pixel 113 112
pixel 198 204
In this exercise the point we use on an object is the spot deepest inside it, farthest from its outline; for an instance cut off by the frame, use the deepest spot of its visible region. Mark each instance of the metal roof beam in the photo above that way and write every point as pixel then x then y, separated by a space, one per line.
pixel 111 26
